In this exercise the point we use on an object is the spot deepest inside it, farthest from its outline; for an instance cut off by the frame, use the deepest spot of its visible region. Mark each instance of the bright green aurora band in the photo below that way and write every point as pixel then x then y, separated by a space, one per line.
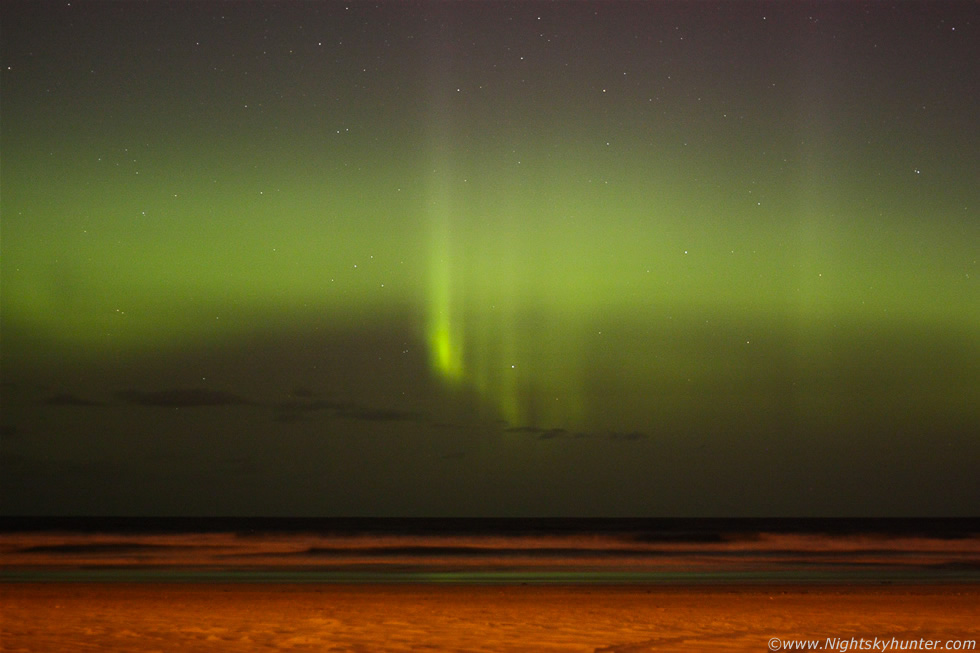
pixel 607 247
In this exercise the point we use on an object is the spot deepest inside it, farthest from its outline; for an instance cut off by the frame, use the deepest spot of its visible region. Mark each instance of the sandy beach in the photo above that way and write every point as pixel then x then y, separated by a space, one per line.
pixel 433 617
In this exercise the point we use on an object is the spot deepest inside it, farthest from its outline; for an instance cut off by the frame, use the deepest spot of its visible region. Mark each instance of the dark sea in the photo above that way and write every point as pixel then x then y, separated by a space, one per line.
pixel 489 551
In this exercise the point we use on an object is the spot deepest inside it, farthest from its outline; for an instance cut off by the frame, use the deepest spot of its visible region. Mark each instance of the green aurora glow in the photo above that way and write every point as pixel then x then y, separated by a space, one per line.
pixel 589 220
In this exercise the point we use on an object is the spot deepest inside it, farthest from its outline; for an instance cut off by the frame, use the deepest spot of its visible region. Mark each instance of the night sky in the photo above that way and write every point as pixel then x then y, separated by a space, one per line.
pixel 490 258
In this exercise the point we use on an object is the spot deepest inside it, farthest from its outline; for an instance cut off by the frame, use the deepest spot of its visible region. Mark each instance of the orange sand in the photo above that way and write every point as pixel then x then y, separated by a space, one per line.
pixel 250 617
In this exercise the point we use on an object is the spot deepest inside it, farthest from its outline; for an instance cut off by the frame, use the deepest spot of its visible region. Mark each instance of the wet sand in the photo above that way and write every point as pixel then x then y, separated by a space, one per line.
pixel 434 617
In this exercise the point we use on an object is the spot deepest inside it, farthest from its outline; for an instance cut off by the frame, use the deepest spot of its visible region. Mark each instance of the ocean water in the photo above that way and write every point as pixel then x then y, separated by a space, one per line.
pixel 490 551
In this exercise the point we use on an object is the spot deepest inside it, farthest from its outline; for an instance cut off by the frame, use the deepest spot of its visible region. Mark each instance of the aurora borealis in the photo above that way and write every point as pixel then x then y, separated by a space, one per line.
pixel 480 258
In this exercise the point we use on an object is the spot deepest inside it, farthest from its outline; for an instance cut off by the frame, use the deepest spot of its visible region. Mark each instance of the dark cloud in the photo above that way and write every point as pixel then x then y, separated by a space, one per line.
pixel 630 436
pixel 556 433
pixel 295 409
pixel 551 434
pixel 292 410
pixel 542 433
pixel 182 397
pixel 68 399
pixel 378 414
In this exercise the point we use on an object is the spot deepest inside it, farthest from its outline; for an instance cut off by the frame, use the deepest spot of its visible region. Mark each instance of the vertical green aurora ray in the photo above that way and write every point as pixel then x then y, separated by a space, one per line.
pixel 443 318
pixel 444 323
pixel 490 323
